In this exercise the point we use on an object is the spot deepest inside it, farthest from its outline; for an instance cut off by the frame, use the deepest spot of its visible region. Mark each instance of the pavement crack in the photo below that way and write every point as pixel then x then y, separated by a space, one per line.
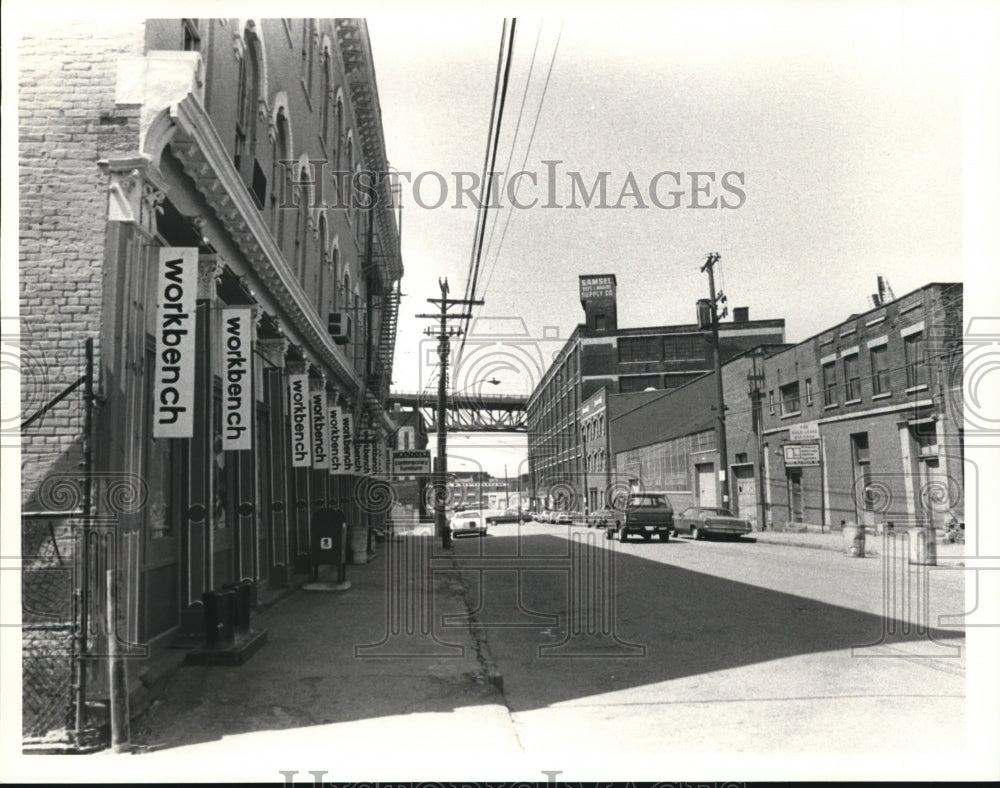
pixel 489 670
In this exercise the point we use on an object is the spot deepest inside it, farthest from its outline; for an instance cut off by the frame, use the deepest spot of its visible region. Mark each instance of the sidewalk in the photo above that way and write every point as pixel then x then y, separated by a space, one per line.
pixel 947 552
pixel 352 681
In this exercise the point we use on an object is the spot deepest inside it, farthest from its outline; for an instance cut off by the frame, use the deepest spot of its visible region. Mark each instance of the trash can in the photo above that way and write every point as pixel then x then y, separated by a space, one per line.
pixel 854 540
pixel 923 545
pixel 220 612
pixel 241 605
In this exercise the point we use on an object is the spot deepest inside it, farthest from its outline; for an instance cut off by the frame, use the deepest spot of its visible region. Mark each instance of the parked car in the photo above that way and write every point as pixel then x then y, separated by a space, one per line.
pixel 577 518
pixel 468 523
pixel 705 521
pixel 599 518
pixel 645 514
pixel 562 518
pixel 506 516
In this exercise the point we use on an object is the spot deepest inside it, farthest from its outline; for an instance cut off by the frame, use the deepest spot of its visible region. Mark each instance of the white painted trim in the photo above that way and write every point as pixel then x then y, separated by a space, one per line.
pixel 849 351
pixel 828 359
pixel 875 321
pixel 879 341
pixel 905 332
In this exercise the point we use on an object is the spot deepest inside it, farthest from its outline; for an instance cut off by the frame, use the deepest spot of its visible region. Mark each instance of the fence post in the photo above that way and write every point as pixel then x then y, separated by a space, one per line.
pixel 117 682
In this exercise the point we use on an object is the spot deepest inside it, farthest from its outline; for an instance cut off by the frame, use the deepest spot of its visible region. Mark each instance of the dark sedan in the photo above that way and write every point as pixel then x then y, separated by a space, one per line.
pixel 507 516
pixel 705 521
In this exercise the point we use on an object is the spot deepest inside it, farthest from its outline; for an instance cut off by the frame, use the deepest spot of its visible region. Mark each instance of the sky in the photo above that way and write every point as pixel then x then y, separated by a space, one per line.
pixel 840 125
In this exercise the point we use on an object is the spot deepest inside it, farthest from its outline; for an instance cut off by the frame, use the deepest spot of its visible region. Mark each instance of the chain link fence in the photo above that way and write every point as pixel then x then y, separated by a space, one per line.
pixel 47 643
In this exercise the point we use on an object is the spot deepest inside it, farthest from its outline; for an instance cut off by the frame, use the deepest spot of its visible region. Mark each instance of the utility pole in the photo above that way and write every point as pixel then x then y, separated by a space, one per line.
pixel 444 335
pixel 714 299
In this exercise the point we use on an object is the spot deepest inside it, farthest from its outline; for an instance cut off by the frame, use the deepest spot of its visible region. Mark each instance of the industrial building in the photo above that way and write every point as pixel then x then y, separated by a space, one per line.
pixel 600 355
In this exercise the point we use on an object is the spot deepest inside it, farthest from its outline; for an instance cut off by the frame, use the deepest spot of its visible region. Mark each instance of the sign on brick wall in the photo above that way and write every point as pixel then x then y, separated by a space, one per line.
pixel 176 290
pixel 236 352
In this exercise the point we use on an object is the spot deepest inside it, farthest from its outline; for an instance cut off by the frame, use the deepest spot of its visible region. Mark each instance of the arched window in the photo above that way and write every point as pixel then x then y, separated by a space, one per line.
pixel 303 199
pixel 335 273
pixel 281 175
pixel 348 169
pixel 324 280
pixel 247 97
pixel 308 53
pixel 326 98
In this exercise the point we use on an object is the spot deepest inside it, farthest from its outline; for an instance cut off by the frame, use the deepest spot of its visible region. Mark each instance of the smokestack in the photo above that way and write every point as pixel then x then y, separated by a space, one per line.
pixel 741 314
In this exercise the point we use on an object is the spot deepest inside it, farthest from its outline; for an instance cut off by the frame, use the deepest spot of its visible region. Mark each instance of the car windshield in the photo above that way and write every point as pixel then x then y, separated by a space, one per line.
pixel 717 512
pixel 648 501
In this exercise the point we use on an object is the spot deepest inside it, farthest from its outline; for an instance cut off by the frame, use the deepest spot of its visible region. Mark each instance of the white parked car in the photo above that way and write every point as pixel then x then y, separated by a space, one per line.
pixel 467 523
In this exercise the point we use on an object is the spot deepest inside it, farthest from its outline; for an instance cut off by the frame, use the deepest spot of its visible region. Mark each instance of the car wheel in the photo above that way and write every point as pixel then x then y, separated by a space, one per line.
pixel 622 536
pixel 697 533
pixel 647 537
pixel 664 536
pixel 608 533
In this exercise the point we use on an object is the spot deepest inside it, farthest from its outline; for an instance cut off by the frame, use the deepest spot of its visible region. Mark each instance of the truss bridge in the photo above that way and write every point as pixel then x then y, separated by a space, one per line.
pixel 468 412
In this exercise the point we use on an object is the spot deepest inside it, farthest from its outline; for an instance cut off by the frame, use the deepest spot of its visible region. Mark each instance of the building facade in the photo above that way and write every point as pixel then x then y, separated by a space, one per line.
pixel 859 424
pixel 600 355
pixel 186 205
pixel 669 442
pixel 863 423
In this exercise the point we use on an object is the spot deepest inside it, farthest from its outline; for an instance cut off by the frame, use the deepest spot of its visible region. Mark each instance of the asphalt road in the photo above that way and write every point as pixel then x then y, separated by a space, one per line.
pixel 732 647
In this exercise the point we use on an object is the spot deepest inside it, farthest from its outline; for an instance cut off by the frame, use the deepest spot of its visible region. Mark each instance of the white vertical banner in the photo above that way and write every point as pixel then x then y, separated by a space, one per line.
pixel 320 430
pixel 176 294
pixel 298 405
pixel 347 440
pixel 336 445
pixel 236 354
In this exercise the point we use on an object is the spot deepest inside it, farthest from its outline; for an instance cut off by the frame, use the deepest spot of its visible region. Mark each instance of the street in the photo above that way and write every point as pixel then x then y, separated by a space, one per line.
pixel 732 646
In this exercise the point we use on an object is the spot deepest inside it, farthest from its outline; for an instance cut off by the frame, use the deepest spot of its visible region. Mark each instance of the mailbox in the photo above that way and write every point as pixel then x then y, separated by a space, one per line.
pixel 329 538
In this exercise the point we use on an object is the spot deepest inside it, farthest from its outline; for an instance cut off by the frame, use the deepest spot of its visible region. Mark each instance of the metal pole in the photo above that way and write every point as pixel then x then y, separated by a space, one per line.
pixel 87 495
pixel 442 430
pixel 720 402
pixel 118 686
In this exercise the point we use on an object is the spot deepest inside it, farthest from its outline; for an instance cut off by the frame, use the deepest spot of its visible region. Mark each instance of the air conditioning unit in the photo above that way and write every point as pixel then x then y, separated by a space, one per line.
pixel 339 326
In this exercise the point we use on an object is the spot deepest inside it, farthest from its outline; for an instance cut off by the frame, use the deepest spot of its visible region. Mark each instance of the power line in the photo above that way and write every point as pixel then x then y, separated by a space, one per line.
pixel 527 152
pixel 493 147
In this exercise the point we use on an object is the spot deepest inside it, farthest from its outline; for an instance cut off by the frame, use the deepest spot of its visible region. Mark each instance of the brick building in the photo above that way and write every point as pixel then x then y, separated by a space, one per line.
pixel 186 205
pixel 599 355
pixel 863 422
pixel 860 423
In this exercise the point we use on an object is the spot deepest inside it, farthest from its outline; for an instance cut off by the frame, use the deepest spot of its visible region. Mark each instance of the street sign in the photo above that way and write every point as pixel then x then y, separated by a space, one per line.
pixel 807 431
pixel 799 454
pixel 411 463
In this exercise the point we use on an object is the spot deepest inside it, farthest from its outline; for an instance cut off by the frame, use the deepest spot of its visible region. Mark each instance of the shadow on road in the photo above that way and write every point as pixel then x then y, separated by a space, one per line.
pixel 577 618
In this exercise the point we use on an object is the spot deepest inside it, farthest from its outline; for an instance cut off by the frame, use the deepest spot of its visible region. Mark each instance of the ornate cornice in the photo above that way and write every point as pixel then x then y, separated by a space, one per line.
pixel 203 156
